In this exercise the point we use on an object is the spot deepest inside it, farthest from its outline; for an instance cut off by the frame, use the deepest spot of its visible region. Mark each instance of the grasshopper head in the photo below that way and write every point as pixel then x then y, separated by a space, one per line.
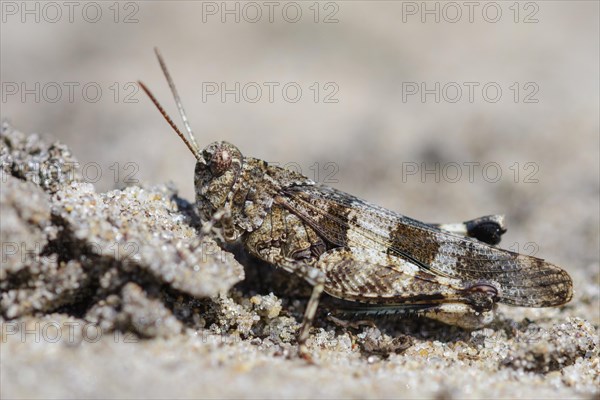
pixel 215 174
pixel 217 166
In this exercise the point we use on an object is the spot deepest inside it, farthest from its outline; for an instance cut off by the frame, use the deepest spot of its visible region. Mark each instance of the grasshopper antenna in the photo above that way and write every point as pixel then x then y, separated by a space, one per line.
pixel 190 140
pixel 186 123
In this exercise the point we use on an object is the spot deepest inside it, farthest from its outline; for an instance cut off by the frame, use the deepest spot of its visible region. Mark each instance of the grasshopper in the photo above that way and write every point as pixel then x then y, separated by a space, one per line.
pixel 379 260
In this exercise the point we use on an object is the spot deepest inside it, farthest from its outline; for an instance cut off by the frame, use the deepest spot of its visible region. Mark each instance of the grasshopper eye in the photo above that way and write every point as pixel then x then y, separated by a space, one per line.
pixel 220 157
pixel 220 161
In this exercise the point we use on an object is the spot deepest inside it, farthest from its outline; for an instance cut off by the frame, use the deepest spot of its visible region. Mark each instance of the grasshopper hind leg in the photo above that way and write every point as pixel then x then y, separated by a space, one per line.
pixel 461 315
pixel 488 229
pixel 458 314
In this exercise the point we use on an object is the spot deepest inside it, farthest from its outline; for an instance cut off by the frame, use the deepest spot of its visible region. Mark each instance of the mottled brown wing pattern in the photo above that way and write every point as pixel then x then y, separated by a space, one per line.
pixel 347 221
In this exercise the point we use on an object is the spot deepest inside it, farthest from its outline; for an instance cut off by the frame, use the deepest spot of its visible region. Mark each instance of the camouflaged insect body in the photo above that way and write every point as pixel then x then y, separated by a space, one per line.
pixel 366 253
pixel 379 260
